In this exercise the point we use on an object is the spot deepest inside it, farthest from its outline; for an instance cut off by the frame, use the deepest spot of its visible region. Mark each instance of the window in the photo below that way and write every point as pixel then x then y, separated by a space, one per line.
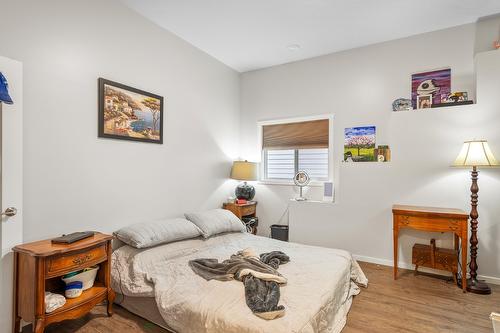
pixel 292 146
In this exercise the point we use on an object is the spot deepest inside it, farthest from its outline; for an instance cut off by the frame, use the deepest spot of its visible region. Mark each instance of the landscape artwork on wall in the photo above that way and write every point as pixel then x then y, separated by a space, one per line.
pixel 129 114
pixel 359 144
pixel 435 83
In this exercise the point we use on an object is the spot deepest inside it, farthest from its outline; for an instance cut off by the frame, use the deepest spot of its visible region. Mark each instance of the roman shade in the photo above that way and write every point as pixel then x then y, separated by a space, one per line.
pixel 299 135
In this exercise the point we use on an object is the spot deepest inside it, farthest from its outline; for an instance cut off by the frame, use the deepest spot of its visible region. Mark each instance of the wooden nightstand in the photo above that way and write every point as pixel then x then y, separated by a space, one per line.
pixel 243 210
pixel 38 267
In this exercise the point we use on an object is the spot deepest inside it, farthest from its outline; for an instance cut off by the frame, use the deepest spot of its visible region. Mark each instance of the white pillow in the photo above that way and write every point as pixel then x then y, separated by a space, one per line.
pixel 216 221
pixel 149 234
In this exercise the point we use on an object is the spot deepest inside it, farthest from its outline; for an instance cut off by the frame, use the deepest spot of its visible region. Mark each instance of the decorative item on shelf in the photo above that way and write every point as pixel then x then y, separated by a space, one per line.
pixel 359 144
pixel 128 113
pixel 301 179
pixel 383 153
pixel 475 153
pixel 424 101
pixel 433 83
pixel 4 90
pixel 245 171
pixel 454 97
pixel 496 45
pixel 402 104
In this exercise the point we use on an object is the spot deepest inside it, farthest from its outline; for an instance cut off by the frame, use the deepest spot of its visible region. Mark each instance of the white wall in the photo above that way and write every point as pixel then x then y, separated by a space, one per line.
pixel 487 31
pixel 74 180
pixel 358 87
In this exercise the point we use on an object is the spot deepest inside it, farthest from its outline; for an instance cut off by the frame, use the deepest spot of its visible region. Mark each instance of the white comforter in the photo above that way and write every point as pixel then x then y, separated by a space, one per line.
pixel 317 297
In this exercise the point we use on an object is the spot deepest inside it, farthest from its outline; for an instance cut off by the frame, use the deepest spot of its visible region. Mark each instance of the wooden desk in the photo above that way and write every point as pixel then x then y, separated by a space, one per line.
pixel 434 220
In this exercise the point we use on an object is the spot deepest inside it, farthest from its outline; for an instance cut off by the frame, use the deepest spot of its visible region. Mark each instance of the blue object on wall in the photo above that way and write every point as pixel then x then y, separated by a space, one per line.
pixel 4 90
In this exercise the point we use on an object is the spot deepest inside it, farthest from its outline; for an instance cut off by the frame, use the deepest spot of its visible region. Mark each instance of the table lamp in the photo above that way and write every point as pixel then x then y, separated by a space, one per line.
pixel 475 154
pixel 245 171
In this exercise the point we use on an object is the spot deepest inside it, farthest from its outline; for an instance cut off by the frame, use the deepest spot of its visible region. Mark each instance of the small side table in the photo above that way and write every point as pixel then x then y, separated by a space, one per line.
pixel 38 267
pixel 432 219
pixel 243 210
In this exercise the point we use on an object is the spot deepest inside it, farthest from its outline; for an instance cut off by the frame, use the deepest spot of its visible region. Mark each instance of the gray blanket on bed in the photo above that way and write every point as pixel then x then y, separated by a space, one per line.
pixel 259 276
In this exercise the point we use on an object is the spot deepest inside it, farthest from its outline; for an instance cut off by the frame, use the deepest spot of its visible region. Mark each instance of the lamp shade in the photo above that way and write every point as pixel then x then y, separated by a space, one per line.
pixel 475 153
pixel 244 170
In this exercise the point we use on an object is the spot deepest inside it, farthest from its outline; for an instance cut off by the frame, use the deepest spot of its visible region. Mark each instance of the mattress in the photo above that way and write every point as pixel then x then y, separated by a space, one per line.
pixel 317 297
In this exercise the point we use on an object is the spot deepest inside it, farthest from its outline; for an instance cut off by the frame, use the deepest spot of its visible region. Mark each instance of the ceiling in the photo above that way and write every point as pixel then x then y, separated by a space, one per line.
pixel 253 34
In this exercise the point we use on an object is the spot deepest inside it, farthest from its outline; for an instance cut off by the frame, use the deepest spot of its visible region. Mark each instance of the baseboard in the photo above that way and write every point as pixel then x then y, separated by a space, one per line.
pixel 405 265
pixel 489 279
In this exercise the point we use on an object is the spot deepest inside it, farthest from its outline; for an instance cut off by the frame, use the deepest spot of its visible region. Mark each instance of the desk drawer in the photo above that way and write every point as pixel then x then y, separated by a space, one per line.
pixel 74 261
pixel 437 224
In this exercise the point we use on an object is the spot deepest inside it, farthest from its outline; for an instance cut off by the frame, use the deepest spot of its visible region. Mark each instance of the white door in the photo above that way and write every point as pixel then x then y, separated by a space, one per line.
pixel 11 179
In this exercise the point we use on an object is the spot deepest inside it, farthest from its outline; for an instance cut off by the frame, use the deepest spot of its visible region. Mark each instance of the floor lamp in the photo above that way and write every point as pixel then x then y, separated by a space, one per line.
pixel 475 154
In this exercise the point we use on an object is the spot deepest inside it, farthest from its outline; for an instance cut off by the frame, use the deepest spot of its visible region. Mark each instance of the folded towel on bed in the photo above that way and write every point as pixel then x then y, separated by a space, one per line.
pixel 261 280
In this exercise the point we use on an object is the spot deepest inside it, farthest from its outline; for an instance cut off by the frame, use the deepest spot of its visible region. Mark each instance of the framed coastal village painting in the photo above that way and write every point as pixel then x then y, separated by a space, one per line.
pixel 128 113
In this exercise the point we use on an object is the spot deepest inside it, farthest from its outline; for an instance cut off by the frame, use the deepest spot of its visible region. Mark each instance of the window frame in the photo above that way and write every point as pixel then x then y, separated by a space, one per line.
pixel 273 181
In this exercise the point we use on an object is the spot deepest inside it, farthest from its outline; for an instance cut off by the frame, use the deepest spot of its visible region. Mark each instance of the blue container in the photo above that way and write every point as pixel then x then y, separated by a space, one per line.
pixel 73 289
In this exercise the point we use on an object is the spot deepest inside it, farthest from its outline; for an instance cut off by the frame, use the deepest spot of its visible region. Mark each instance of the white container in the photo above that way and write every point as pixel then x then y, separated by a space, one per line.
pixel 495 320
pixel 87 277
pixel 73 292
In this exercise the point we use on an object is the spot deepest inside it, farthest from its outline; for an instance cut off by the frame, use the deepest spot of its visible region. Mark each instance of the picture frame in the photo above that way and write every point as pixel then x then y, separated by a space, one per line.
pixel 424 101
pixel 435 83
pixel 127 113
pixel 455 97
pixel 359 144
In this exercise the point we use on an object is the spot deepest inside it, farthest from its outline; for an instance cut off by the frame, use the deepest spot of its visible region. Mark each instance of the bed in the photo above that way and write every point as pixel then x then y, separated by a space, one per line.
pixel 157 284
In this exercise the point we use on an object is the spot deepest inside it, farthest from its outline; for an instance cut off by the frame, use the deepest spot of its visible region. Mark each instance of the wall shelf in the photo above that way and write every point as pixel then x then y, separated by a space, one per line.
pixel 450 107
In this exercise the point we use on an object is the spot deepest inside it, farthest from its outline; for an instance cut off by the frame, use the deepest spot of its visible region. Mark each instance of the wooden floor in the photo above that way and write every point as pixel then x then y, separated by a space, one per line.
pixel 411 304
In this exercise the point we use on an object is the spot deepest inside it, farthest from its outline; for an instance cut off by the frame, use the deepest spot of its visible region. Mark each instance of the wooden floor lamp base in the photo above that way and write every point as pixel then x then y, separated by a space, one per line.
pixel 478 287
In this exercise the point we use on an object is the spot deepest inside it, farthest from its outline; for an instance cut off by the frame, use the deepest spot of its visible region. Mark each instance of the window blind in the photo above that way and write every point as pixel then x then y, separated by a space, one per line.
pixel 300 135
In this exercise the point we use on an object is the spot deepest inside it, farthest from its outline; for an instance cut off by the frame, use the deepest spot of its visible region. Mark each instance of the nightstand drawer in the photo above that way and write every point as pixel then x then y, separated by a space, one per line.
pixel 247 210
pixel 74 261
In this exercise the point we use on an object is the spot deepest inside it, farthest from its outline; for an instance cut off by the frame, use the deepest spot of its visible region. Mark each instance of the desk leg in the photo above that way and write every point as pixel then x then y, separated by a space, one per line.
pixel 395 236
pixel 463 241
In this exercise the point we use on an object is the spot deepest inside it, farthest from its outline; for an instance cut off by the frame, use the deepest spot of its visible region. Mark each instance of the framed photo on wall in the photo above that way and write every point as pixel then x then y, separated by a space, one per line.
pixel 424 101
pixel 128 113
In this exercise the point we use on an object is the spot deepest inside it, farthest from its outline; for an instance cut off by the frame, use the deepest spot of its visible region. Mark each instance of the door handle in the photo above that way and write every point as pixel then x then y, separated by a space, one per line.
pixel 9 212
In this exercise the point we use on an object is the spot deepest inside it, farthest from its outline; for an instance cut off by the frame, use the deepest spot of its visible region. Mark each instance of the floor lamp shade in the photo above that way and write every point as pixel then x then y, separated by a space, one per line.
pixel 246 171
pixel 475 154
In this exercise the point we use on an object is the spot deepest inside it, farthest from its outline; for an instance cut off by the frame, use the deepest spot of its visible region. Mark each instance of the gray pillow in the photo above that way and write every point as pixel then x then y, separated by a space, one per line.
pixel 149 234
pixel 216 221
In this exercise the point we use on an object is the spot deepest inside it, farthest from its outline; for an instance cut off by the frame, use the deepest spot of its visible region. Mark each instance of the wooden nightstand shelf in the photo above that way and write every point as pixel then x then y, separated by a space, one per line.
pixel 243 210
pixel 38 267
